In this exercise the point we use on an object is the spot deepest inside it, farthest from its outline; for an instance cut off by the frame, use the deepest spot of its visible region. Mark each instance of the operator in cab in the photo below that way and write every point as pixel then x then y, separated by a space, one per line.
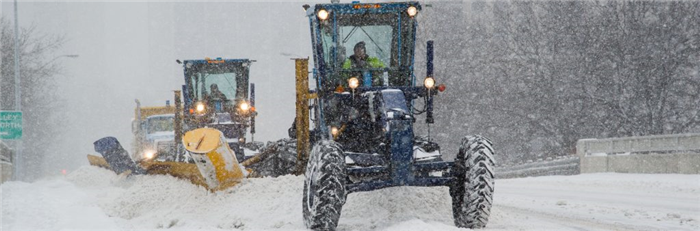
pixel 216 99
pixel 216 94
pixel 361 60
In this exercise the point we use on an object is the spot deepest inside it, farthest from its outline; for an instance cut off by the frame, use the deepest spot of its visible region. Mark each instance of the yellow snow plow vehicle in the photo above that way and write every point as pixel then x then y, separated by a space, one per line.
pixel 154 133
pixel 201 138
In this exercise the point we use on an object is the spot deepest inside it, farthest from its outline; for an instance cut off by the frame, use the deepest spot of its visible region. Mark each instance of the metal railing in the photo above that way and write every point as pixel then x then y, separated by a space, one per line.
pixel 5 153
pixel 641 144
pixel 564 166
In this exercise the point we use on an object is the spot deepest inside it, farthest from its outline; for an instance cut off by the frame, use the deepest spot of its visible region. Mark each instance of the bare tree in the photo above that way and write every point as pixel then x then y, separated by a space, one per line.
pixel 41 104
pixel 537 76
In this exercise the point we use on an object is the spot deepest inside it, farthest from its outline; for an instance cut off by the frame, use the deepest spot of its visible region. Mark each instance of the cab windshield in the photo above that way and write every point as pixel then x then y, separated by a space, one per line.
pixel 222 81
pixel 386 40
pixel 160 124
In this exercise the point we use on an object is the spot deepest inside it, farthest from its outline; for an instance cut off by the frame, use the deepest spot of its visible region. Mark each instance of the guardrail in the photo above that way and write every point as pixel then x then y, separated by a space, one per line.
pixel 641 144
pixel 5 163
pixel 566 166
pixel 5 152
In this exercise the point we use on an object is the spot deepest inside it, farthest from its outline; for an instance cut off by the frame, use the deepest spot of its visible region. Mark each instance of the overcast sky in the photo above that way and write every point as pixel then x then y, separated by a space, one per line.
pixel 128 50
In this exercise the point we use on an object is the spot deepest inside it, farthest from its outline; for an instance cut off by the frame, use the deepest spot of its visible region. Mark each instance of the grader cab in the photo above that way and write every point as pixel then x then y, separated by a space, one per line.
pixel 216 94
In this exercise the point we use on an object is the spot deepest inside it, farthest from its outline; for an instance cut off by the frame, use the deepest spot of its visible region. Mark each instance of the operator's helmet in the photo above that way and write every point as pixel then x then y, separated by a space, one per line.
pixel 214 87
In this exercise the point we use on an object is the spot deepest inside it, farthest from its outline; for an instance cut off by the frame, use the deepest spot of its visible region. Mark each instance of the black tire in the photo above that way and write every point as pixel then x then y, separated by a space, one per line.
pixel 472 192
pixel 324 186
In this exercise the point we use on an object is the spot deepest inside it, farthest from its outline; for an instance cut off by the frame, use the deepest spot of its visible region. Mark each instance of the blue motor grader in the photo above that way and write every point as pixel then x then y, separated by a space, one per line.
pixel 355 129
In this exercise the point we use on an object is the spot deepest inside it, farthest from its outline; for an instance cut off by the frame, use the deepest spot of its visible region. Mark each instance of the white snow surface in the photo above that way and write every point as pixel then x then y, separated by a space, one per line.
pixel 91 198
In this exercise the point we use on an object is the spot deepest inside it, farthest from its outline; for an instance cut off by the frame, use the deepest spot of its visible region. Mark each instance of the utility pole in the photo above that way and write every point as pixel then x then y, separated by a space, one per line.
pixel 18 100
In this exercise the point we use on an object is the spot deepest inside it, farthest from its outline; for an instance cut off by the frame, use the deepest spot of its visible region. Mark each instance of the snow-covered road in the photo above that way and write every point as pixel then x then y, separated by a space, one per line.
pixel 96 199
pixel 599 202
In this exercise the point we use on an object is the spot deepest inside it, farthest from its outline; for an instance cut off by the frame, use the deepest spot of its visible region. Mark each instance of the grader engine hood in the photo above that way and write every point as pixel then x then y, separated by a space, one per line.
pixel 367 121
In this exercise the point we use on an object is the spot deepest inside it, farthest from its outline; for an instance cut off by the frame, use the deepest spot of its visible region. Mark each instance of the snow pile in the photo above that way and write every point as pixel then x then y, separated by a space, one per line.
pixel 383 209
pixel 99 199
pixel 96 199
pixel 53 204
pixel 92 177
pixel 155 202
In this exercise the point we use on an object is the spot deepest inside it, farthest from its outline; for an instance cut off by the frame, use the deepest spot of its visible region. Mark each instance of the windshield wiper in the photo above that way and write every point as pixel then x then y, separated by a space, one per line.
pixel 370 38
pixel 350 34
pixel 355 28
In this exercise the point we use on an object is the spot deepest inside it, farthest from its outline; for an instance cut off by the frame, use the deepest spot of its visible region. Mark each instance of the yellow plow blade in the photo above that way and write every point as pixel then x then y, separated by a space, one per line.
pixel 215 160
pixel 216 165
pixel 177 169
pixel 98 161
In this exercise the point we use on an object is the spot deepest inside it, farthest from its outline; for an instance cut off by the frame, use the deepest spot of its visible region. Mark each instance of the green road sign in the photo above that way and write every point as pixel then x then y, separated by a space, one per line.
pixel 10 125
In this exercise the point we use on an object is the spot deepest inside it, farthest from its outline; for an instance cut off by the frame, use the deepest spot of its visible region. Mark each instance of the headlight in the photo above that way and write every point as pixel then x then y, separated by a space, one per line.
pixel 412 11
pixel 322 14
pixel 244 106
pixel 149 154
pixel 200 107
pixel 429 82
pixel 353 83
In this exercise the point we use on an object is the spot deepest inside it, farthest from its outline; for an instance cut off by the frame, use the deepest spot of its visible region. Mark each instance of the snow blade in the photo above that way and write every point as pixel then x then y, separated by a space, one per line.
pixel 180 170
pixel 109 146
pixel 98 161
pixel 216 161
pixel 115 155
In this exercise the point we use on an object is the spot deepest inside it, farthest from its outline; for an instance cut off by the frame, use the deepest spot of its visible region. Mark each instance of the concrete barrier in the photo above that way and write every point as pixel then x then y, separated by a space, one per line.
pixel 684 163
pixel 640 144
pixel 593 164
pixel 649 154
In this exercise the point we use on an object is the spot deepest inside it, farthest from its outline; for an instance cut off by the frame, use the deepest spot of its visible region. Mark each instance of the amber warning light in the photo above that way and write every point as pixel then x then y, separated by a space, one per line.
pixel 366 6
pixel 217 60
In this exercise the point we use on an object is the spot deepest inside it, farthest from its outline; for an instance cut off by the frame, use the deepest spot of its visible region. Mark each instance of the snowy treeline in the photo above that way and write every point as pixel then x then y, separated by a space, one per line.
pixel 41 104
pixel 537 76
